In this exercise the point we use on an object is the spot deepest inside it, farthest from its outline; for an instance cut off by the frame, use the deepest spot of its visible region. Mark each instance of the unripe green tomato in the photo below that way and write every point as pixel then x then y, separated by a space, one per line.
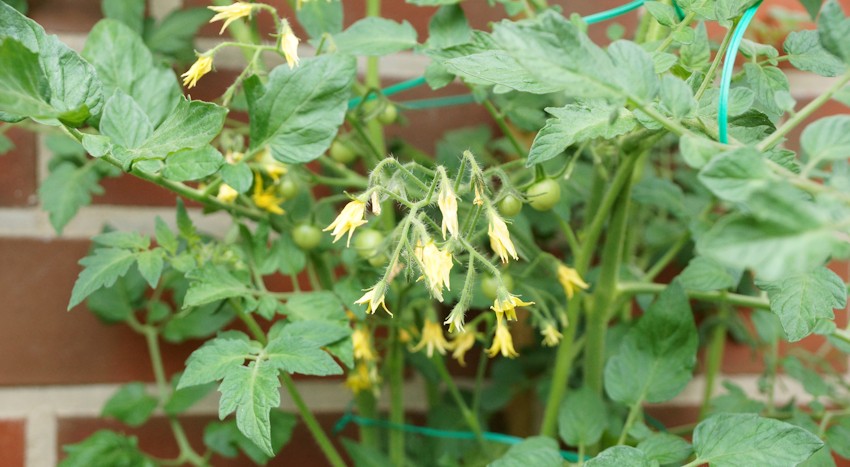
pixel 342 152
pixel 288 188
pixel 368 242
pixel 388 115
pixel 306 236
pixel 510 206
pixel 490 285
pixel 378 260
pixel 544 195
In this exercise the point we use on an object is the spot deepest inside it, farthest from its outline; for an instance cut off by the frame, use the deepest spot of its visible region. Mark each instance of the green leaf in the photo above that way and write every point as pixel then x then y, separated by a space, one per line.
pixel 662 12
pixel 116 303
pixel 68 83
pixel 132 405
pixel 290 258
pixel 696 56
pixel 299 111
pixel 783 236
pixel 375 37
pixel 766 82
pixel 214 360
pixel 813 382
pixel 838 437
pixel 6 144
pixel 696 151
pixel 126 240
pixel 657 356
pixel 224 438
pixel 661 194
pixel 732 440
pixel 576 123
pixel 735 175
pixel 317 333
pixel 199 322
pixel 735 400
pixel 801 300
pixel 192 164
pixel 184 398
pixel 619 456
pixel 315 306
pixel 319 18
pixel 175 34
pixel 192 124
pixel 106 448
pixel 366 456
pixel 812 7
pixel 294 354
pixel 665 448
pixel 213 283
pixel 21 82
pixel 834 29
pixel 124 62
pixel 129 12
pixel 124 121
pixel 705 274
pixel 676 97
pixel 539 451
pixel 102 269
pixel 827 138
pixel 448 27
pixel 238 176
pixel 582 417
pixel 251 392
pixel 165 237
pixel 150 265
pixel 20 5
pixel 806 53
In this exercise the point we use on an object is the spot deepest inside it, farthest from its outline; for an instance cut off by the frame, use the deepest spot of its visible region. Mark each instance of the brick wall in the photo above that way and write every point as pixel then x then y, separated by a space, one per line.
pixel 57 368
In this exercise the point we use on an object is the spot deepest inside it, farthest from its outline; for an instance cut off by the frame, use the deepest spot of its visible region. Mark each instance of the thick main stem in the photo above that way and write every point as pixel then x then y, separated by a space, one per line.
pixel 604 290
pixel 714 357
pixel 396 377
pixel 373 81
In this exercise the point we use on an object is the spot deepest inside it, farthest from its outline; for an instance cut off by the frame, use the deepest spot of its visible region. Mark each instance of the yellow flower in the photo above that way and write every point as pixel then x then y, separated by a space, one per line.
pixel 500 238
pixel 374 297
pixel 437 266
pixel 230 13
pixel 551 336
pixel 266 198
pixel 506 303
pixel 478 201
pixel 432 339
pixel 349 219
pixel 461 344
pixel 570 280
pixel 289 45
pixel 362 344
pixel 455 319
pixel 447 201
pixel 270 165
pixel 226 194
pixel 202 66
pixel 375 203
pixel 233 157
pixel 362 378
pixel 502 342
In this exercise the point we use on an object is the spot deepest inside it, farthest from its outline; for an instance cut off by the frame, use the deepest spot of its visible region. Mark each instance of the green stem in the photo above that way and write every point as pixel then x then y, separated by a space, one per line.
pixel 714 357
pixel 604 289
pixel 634 411
pixel 367 407
pixel 373 82
pixel 468 415
pixel 187 453
pixel 803 114
pixel 307 416
pixel 395 362
pixel 500 121
pixel 561 374
pixel 748 301
pixel 662 263
pixel 712 69
pixel 686 21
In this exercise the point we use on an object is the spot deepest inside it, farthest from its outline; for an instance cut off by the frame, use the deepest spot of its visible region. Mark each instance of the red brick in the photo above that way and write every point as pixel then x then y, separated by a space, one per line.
pixel 62 347
pixel 12 443
pixel 18 170
pixel 156 438
pixel 64 16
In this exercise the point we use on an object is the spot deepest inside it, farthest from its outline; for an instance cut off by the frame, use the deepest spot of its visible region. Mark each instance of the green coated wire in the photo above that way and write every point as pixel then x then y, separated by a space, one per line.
pixel 438 102
pixel 437 433
pixel 613 12
pixel 412 83
pixel 728 68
